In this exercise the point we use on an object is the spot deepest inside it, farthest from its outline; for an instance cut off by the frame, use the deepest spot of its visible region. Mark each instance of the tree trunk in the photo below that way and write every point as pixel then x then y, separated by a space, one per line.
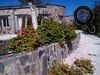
pixel 34 16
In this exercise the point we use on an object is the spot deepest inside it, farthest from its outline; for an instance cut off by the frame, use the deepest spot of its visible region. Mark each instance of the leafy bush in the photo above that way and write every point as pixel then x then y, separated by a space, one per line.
pixel 86 64
pixel 81 27
pixel 27 41
pixel 50 32
pixel 59 68
pixel 96 19
pixel 76 71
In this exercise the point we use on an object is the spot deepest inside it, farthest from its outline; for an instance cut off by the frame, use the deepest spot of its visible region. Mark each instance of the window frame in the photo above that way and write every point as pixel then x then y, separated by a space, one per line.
pixel 4 21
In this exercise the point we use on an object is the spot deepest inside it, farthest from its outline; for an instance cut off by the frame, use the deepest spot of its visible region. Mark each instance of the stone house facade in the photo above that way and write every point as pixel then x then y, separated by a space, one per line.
pixel 69 19
pixel 57 12
pixel 12 18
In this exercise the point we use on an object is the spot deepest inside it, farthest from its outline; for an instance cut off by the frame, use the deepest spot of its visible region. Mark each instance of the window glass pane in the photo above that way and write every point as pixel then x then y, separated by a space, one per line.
pixel 1 23
pixel 29 20
pixel 5 22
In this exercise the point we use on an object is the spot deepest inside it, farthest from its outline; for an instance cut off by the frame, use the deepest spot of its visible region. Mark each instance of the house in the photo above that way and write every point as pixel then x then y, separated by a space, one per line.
pixel 69 19
pixel 13 17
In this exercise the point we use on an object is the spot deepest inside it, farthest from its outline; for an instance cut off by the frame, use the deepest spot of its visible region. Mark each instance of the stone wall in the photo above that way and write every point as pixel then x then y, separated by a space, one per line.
pixel 57 12
pixel 36 62
pixel 69 19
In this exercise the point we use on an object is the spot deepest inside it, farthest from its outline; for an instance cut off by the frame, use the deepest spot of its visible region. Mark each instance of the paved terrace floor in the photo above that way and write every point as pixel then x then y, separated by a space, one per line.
pixel 89 47
pixel 7 36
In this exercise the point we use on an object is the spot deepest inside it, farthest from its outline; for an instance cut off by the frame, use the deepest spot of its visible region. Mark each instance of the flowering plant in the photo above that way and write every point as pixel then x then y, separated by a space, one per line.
pixel 51 32
pixel 80 67
pixel 27 41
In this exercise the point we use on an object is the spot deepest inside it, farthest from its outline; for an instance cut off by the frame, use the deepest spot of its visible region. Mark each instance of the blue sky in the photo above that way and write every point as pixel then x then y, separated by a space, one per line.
pixel 69 4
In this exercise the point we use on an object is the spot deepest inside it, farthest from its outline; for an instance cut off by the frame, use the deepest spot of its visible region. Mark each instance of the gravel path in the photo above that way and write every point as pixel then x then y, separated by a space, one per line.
pixel 89 47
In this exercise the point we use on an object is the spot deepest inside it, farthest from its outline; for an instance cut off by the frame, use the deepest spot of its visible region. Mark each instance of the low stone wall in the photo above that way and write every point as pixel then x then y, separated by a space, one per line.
pixel 36 62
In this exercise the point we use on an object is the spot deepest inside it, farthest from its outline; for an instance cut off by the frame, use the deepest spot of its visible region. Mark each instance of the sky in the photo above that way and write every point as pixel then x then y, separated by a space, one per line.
pixel 70 5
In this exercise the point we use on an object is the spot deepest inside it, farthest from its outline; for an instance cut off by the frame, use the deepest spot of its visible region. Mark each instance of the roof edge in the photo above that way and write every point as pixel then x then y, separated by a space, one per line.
pixel 56 5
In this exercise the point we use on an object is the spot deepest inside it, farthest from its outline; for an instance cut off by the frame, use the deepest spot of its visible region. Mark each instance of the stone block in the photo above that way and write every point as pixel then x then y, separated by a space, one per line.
pixel 45 65
pixel 33 68
pixel 35 56
pixel 24 59
pixel 41 52
pixel 2 67
pixel 27 69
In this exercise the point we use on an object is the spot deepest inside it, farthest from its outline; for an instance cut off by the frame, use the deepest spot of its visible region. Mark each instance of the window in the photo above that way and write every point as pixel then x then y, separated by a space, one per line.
pixel 29 20
pixel 4 21
pixel 24 21
pixel 0 24
pixel 60 17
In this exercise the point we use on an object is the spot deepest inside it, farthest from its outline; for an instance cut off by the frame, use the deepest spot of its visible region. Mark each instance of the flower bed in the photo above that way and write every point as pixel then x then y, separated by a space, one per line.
pixel 48 32
pixel 81 67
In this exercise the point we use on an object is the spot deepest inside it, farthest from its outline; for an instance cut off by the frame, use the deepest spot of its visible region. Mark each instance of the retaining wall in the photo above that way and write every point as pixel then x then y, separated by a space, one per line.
pixel 36 62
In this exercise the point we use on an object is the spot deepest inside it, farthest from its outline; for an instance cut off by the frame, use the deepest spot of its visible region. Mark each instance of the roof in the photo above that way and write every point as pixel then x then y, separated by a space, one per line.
pixel 12 7
pixel 56 5
pixel 25 6
pixel 17 7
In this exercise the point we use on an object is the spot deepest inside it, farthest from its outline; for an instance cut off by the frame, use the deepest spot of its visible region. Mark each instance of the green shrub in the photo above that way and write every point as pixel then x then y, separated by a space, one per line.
pixel 82 27
pixel 27 41
pixel 59 68
pixel 50 32
pixel 86 64
pixel 74 70
pixel 96 19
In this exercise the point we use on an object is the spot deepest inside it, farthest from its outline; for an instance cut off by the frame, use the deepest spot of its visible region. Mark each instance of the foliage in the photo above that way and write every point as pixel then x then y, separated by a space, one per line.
pixel 59 68
pixel 50 32
pixel 40 19
pixel 86 64
pixel 27 41
pixel 35 2
pixel 76 71
pixel 81 27
pixel 47 32
pixel 96 20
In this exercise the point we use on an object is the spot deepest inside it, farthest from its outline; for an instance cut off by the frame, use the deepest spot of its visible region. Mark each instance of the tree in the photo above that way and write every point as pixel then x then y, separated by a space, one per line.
pixel 96 20
pixel 32 3
pixel 35 2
